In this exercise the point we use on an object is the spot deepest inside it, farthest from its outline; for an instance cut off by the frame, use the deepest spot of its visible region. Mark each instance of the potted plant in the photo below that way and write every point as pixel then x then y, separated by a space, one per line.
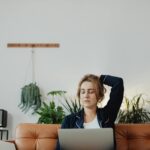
pixel 50 113
pixel 72 105
pixel 134 111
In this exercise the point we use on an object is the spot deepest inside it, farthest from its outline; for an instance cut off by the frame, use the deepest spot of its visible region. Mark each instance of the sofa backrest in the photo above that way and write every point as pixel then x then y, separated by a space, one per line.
pixel 132 136
pixel 44 136
pixel 36 136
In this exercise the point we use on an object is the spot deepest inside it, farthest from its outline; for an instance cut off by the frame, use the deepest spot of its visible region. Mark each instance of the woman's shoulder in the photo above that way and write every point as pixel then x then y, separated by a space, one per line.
pixel 70 115
pixel 69 121
pixel 73 116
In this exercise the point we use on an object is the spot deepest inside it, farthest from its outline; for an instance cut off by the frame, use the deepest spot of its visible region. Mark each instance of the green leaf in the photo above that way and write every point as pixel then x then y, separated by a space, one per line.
pixel 134 112
pixel 50 113
pixel 72 106
pixel 59 92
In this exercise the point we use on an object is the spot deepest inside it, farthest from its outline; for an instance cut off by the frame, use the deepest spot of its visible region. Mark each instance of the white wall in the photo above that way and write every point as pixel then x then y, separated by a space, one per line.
pixel 95 36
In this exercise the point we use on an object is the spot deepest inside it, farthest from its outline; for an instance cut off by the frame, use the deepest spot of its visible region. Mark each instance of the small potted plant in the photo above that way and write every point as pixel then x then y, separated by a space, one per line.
pixel 50 113
pixel 72 105
pixel 134 111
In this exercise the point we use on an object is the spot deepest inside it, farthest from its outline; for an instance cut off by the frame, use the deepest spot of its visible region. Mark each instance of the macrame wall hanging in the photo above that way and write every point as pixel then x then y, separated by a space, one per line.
pixel 30 94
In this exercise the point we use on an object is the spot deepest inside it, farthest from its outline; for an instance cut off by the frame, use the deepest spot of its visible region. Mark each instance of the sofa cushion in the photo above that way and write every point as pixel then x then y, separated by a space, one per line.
pixel 132 136
pixel 36 136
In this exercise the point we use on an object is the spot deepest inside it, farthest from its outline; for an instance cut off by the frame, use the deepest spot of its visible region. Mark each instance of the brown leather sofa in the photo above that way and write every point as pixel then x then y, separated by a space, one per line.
pixel 44 136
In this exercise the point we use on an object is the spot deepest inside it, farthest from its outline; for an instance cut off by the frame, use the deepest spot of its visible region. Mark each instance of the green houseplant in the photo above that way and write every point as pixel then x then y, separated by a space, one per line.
pixel 50 113
pixel 72 105
pixel 30 98
pixel 134 111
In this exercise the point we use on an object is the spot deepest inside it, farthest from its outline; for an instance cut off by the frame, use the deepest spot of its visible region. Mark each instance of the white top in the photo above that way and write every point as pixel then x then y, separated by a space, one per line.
pixel 91 125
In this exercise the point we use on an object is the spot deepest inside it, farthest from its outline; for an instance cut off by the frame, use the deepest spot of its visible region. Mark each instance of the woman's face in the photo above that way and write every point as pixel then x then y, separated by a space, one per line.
pixel 88 95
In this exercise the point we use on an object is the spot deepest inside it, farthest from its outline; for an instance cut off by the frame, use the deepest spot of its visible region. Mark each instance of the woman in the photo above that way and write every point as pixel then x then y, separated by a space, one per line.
pixel 91 92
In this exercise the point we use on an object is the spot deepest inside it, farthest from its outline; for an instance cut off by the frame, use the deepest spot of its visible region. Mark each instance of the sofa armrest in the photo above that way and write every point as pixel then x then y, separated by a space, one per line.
pixel 11 141
pixel 7 145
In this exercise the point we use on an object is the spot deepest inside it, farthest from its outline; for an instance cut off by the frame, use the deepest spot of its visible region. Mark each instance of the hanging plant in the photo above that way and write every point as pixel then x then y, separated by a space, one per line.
pixel 30 98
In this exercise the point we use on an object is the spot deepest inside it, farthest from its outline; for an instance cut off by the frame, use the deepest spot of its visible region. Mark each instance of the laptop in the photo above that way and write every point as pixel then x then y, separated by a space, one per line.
pixel 86 139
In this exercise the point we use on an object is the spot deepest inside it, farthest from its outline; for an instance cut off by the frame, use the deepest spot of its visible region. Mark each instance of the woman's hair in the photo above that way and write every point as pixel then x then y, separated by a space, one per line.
pixel 99 87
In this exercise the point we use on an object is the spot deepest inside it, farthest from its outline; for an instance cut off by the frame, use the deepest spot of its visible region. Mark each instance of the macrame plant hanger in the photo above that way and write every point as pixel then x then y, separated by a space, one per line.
pixel 33 46
pixel 29 101
pixel 33 64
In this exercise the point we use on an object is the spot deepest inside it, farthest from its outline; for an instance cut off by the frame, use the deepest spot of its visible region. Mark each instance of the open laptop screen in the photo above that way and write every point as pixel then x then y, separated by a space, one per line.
pixel 86 139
